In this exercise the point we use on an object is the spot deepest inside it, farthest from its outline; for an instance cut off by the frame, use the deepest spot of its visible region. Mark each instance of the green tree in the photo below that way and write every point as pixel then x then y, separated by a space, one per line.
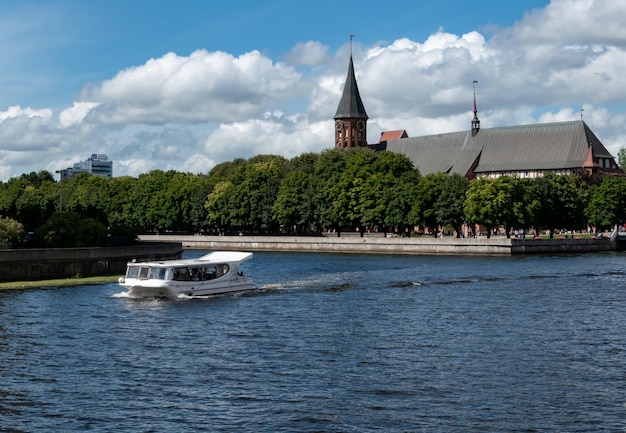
pixel 507 189
pixel 217 206
pixel 489 202
pixel 388 192
pixel 223 171
pixel 179 199
pixel 10 232
pixel 607 203
pixel 9 193
pixel 305 162
pixel 400 198
pixel 69 230
pixel 198 216
pixel 329 168
pixel 88 196
pixel 152 202
pixel 621 158
pixel 295 202
pixel 245 200
pixel 36 204
pixel 448 206
pixel 349 197
pixel 523 203
pixel 29 198
pixel 558 202
pixel 120 207
pixel 424 208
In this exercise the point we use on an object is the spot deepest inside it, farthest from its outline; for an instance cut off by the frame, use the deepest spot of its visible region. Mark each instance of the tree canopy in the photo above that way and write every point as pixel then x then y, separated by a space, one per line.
pixel 355 189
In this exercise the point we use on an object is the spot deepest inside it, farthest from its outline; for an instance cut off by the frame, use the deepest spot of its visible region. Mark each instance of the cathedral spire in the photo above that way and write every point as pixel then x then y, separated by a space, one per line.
pixel 350 118
pixel 351 105
pixel 475 121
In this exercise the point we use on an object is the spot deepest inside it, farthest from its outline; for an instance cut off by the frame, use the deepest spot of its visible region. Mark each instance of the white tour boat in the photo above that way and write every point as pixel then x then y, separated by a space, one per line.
pixel 212 274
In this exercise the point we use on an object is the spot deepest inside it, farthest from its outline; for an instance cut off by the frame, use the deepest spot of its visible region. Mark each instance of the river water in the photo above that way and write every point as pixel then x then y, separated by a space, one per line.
pixel 330 343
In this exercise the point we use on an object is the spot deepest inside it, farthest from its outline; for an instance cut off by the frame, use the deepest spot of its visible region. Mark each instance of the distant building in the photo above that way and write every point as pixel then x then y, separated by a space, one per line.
pixel 526 151
pixel 386 136
pixel 97 165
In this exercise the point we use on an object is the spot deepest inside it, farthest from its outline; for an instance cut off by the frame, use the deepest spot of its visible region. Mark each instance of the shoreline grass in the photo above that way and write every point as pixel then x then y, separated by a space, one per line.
pixel 65 282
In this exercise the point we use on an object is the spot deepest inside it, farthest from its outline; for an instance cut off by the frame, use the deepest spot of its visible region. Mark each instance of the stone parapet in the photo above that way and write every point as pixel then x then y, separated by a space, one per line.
pixel 378 244
pixel 342 244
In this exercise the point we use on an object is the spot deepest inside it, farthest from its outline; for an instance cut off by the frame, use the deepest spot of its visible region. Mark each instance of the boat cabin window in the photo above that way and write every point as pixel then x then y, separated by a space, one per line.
pixel 181 274
pixel 157 273
pixel 222 270
pixel 144 273
pixel 211 272
pixel 132 272
pixel 200 274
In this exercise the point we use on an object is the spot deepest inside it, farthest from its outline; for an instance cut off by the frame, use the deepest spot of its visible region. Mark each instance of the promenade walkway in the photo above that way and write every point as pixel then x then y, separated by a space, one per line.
pixel 395 245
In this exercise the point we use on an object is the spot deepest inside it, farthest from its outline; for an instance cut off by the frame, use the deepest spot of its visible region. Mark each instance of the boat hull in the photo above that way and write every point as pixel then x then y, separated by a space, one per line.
pixel 142 290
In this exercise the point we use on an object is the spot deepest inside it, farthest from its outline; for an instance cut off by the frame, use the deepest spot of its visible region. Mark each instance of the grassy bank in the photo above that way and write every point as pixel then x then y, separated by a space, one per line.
pixel 67 282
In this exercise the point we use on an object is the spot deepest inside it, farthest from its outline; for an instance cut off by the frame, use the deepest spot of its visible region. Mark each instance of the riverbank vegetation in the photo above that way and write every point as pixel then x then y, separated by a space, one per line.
pixel 333 190
pixel 62 282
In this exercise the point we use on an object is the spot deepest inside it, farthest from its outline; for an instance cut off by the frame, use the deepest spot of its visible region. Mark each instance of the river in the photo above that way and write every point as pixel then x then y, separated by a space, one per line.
pixel 329 343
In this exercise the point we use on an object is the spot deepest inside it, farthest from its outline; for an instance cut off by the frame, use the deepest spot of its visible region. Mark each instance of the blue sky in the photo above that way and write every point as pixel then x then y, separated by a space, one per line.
pixel 188 84
pixel 60 45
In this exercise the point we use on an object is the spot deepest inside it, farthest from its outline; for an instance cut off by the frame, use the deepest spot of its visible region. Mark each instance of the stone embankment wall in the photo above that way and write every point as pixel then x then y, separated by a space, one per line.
pixel 379 244
pixel 47 263
pixel 556 246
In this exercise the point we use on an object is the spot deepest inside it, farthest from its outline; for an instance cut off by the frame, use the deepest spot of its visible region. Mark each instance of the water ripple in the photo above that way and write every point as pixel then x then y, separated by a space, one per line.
pixel 329 343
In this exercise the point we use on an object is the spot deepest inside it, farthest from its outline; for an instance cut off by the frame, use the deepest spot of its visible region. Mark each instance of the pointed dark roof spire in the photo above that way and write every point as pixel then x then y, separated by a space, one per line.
pixel 475 121
pixel 351 105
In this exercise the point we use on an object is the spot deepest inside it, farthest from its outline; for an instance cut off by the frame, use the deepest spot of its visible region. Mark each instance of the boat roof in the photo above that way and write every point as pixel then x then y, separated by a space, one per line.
pixel 216 257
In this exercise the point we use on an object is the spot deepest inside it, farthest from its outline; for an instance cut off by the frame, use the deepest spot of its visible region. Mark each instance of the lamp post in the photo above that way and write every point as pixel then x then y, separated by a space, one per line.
pixel 60 172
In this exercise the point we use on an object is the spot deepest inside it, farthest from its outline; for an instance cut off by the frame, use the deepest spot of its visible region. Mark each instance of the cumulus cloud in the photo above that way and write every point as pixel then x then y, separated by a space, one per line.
pixel 75 115
pixel 200 88
pixel 276 134
pixel 566 21
pixel 310 53
pixel 27 129
pixel 16 111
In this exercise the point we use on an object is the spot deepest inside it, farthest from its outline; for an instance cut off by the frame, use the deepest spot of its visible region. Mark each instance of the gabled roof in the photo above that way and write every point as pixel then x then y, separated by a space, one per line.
pixel 443 153
pixel 548 146
pixel 392 135
pixel 351 105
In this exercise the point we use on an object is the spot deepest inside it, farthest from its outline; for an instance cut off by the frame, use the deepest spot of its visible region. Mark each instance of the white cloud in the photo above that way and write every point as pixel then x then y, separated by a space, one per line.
pixel 201 88
pixel 76 114
pixel 17 111
pixel 566 21
pixel 288 136
pixel 27 129
pixel 310 53
pixel 189 113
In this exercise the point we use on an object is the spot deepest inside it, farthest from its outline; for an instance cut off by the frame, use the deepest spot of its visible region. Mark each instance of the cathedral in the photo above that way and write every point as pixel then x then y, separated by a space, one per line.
pixel 525 151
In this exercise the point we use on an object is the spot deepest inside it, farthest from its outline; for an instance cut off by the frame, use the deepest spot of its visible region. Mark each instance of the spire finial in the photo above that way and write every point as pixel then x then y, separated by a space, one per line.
pixel 475 110
pixel 351 37
pixel 581 113
pixel 475 121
